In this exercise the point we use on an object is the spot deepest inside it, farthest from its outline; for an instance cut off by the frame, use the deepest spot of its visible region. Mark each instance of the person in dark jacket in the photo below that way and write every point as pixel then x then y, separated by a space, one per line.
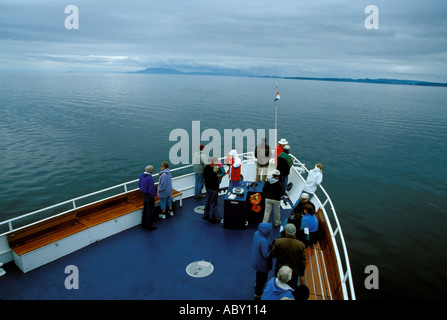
pixel 212 189
pixel 147 188
pixel 285 162
pixel 261 259
pixel 273 191
pixel 302 231
pixel 291 252
pixel 302 200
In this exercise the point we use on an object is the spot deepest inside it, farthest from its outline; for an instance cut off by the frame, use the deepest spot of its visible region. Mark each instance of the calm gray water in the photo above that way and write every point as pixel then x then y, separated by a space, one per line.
pixel 383 148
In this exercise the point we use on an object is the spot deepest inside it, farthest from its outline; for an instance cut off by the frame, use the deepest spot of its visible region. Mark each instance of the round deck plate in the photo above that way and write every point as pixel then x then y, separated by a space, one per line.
pixel 199 269
pixel 199 209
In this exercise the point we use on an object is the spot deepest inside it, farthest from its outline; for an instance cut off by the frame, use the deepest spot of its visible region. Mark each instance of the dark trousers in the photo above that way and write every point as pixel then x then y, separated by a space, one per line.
pixel 211 204
pixel 261 279
pixel 148 211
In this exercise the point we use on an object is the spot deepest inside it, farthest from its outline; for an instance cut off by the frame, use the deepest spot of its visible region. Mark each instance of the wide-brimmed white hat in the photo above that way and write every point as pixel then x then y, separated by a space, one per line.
pixel 283 141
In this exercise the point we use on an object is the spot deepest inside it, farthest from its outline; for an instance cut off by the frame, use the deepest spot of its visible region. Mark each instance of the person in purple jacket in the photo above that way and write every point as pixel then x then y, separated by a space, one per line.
pixel 147 188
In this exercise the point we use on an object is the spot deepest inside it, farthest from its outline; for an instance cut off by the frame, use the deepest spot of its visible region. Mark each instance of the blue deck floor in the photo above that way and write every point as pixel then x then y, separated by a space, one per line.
pixel 137 264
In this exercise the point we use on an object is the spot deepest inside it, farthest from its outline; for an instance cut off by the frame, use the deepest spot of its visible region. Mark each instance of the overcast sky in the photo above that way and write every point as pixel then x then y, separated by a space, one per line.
pixel 318 38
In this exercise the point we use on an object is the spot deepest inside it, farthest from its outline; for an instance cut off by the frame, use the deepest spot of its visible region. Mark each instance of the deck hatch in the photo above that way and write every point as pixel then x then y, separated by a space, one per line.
pixel 199 269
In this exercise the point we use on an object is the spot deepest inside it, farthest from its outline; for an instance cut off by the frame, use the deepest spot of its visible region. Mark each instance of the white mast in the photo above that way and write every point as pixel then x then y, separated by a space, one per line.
pixel 276 114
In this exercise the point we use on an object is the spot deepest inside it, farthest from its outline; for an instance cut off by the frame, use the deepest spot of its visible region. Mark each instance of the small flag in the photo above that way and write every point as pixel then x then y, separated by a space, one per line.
pixel 277 96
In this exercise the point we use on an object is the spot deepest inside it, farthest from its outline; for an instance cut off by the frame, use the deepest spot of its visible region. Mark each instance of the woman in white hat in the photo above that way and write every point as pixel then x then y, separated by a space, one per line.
pixel 234 163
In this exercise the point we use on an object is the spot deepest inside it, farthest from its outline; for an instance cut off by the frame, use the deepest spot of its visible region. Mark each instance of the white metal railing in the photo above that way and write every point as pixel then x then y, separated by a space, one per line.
pixel 337 234
pixel 123 186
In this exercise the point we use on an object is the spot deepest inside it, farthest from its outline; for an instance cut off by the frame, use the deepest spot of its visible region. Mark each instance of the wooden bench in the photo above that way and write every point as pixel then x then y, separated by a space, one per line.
pixel 43 233
pixel 321 275
pixel 103 211
pixel 315 276
pixel 54 229
pixel 136 198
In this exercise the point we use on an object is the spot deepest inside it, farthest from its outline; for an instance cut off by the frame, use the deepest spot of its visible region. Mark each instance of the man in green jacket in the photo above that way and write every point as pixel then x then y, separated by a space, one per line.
pixel 285 162
pixel 291 252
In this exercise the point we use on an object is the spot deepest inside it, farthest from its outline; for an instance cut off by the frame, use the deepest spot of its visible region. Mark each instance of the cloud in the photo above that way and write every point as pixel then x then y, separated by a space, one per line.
pixel 285 37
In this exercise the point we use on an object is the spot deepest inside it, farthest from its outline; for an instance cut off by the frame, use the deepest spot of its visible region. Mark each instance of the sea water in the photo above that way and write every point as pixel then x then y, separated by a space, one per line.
pixel 383 148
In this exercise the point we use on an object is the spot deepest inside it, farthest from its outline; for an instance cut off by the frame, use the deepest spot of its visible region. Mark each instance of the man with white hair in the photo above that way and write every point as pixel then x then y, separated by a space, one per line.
pixel 277 288
pixel 147 188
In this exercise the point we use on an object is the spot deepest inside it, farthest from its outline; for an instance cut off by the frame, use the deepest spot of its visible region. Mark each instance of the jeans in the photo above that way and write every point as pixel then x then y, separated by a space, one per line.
pixel 199 185
pixel 211 204
pixel 165 202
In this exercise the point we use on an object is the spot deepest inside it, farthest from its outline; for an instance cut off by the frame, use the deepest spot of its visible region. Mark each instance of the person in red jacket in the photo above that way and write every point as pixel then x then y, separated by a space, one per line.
pixel 234 163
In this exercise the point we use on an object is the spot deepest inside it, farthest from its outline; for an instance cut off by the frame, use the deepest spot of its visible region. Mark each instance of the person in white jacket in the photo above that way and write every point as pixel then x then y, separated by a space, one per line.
pixel 314 179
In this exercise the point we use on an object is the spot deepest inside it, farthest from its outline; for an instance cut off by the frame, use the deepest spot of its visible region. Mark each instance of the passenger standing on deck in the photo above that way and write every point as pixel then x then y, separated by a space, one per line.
pixel 285 162
pixel 212 190
pixel 261 259
pixel 273 191
pixel 199 161
pixel 234 163
pixel 291 252
pixel 279 149
pixel 262 155
pixel 314 179
pixel 147 188
pixel 165 190
pixel 277 288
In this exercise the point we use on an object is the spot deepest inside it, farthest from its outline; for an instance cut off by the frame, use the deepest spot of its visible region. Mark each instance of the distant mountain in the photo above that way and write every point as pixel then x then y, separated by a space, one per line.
pixel 382 81
pixel 160 71
pixel 242 73
pixel 207 72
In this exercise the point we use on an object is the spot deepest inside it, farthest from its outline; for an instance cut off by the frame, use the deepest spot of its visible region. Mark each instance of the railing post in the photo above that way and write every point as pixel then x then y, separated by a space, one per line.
pixel 10 225
pixel 335 232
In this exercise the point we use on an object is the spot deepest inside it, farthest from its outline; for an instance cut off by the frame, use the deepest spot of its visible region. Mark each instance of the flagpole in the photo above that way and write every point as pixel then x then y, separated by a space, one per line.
pixel 276 114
